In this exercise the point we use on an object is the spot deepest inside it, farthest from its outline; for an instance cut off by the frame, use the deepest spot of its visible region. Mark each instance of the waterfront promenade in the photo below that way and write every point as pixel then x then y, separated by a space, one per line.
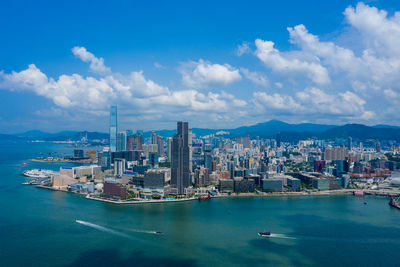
pixel 137 201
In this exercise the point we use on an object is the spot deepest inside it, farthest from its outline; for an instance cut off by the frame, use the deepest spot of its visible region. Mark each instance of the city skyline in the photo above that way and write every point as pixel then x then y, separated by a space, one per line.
pixel 319 67
pixel 200 133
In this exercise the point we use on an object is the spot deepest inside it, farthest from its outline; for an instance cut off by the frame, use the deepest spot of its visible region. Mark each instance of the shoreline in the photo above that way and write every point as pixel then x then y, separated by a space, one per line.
pixel 294 194
pixel 62 161
pixel 342 192
pixel 136 202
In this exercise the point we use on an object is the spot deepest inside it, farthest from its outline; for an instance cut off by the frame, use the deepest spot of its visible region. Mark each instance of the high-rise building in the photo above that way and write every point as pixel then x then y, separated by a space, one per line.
pixel 119 167
pixel 139 140
pixel 160 144
pixel 278 139
pixel 113 128
pixel 153 137
pixel 349 143
pixel 134 141
pixel 159 141
pixel 105 159
pixel 169 149
pixel 180 165
pixel 153 159
pixel 121 141
pixel 208 157
pixel 378 146
pixel 335 153
pixel 231 168
pixel 319 165
pixel 190 149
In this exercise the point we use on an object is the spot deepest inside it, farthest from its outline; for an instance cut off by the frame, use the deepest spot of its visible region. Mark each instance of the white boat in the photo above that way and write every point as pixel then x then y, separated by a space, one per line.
pixel 38 173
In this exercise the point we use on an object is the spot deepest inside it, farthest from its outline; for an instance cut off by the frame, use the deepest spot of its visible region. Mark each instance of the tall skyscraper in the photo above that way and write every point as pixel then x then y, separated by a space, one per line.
pixel 169 151
pixel 278 139
pixel 180 165
pixel 349 143
pixel 208 156
pixel 160 144
pixel 153 137
pixel 113 128
pixel 121 141
pixel 378 146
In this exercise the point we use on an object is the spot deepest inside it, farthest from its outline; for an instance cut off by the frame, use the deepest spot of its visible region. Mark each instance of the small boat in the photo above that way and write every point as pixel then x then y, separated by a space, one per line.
pixel 159 233
pixel 24 164
pixel 265 233
pixel 204 197
pixel 395 202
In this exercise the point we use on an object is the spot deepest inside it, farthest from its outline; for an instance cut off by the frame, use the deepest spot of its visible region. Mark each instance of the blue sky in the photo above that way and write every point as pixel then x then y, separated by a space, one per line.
pixel 218 64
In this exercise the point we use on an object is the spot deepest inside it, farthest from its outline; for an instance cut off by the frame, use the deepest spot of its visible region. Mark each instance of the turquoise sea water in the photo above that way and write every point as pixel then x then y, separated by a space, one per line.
pixel 39 227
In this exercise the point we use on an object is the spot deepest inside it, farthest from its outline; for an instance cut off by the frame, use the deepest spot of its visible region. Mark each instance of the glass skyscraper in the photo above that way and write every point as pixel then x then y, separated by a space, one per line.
pixel 113 128
pixel 180 165
pixel 121 141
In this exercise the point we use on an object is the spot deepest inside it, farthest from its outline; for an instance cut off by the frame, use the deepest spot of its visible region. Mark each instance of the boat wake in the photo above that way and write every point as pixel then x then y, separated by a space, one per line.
pixel 102 228
pixel 143 231
pixel 282 236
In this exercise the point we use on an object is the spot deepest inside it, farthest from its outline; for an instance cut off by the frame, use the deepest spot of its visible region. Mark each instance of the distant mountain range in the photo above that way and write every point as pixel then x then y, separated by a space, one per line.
pixel 289 132
pixel 60 136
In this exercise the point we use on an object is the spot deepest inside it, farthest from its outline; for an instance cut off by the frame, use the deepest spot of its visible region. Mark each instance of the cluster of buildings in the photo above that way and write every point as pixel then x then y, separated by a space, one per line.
pixel 185 165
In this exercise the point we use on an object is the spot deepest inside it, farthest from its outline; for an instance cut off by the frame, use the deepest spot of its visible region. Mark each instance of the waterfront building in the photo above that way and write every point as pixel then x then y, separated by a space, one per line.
pixel 256 178
pixel 294 184
pixel 180 165
pixel 114 189
pixel 226 185
pixel 82 187
pixel 81 171
pixel 345 180
pixel 342 166
pixel 321 184
pixel 243 185
pixel 154 179
pixel 62 181
pixel 113 128
pixel 272 185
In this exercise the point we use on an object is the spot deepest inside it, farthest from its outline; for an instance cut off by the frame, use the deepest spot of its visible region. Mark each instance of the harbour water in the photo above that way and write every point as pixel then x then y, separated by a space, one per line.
pixel 47 228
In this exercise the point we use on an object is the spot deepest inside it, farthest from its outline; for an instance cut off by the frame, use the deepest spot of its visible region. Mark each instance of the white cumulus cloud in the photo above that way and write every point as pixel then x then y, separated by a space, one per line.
pixel 256 77
pixel 96 64
pixel 289 63
pixel 203 74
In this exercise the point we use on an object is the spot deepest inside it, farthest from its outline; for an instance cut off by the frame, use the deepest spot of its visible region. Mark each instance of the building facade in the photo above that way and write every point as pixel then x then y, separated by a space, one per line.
pixel 113 128
pixel 180 165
